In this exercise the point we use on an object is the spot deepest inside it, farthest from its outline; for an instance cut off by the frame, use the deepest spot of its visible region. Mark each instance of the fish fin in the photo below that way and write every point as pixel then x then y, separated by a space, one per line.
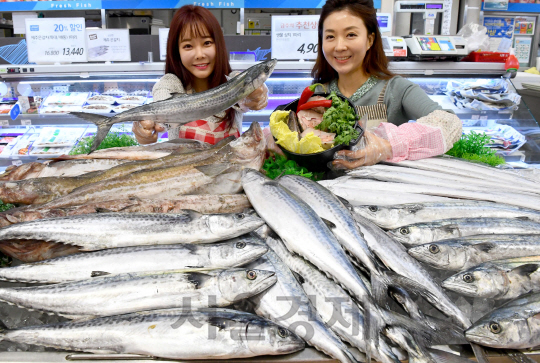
pixel 103 210
pixel 190 267
pixel 228 78
pixel 193 214
pixel 450 228
pixel 479 353
pixel 213 169
pixel 485 246
pixel 379 288
pixel 103 124
pixel 99 273
pixel 441 356
pixel 298 277
pixel 12 219
pixel 523 218
pixel 345 202
pixel 134 198
pixel 198 279
pixel 224 142
pixel 271 183
pixel 177 95
pixel 328 223
pixel 527 269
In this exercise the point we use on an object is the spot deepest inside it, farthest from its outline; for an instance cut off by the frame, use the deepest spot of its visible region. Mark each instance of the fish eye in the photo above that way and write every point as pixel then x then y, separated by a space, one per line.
pixel 495 327
pixel 468 278
pixel 404 230
pixel 251 275
pixel 240 216
pixel 284 333
pixel 373 208
pixel 240 244
pixel 434 249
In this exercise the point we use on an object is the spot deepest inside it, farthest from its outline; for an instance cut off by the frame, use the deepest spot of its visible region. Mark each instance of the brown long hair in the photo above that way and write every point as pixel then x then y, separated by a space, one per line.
pixel 375 62
pixel 198 22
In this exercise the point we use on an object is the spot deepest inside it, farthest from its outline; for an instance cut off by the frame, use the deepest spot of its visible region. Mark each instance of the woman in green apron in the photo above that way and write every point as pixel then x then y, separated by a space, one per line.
pixel 352 63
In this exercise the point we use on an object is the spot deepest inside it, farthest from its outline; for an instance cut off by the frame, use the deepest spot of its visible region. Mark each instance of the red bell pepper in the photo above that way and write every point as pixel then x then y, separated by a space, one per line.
pixel 306 94
pixel 313 104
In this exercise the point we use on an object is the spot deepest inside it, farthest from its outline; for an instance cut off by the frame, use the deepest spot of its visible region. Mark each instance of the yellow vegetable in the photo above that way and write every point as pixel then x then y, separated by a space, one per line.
pixel 532 70
pixel 288 139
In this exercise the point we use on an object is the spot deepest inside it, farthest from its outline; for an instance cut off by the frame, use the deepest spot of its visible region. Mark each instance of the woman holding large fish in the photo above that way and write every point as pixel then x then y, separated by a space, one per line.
pixel 197 60
pixel 352 63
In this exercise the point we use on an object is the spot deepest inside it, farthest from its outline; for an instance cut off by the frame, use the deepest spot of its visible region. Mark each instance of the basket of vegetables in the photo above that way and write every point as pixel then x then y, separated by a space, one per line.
pixel 311 129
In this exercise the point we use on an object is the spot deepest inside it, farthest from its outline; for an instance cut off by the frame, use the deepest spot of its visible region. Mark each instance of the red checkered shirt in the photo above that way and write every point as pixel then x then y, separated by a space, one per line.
pixel 208 132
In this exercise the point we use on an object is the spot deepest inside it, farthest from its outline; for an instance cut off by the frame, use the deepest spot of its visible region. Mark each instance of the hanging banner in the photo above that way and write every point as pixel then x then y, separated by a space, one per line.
pixel 501 33
pixel 108 45
pixel 56 40
pixel 295 37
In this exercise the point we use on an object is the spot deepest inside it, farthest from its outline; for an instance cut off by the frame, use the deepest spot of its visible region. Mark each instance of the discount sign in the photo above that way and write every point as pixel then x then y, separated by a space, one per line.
pixel 56 40
pixel 295 37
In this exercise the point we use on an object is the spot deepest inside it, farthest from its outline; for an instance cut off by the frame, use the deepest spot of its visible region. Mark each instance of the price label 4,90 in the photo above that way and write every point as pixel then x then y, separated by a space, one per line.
pixel 295 37
pixel 52 40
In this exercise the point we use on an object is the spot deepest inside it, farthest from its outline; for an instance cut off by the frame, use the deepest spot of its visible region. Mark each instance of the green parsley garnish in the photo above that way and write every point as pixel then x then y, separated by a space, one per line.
pixel 113 139
pixel 5 206
pixel 339 119
pixel 279 165
pixel 471 146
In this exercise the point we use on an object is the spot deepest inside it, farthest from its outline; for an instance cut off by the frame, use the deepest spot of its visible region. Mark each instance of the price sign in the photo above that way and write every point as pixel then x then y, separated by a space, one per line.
pixel 4 123
pixel 295 37
pixel 54 40
pixel 26 122
pixel 163 37
pixel 17 162
pixel 108 45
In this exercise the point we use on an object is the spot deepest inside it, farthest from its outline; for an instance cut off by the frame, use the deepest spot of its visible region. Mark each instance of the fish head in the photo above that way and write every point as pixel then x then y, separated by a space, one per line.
pixel 484 281
pixel 380 215
pixel 264 337
pixel 240 223
pixel 438 255
pixel 241 250
pixel 252 176
pixel 502 328
pixel 411 235
pixel 249 149
pixel 259 73
pixel 238 284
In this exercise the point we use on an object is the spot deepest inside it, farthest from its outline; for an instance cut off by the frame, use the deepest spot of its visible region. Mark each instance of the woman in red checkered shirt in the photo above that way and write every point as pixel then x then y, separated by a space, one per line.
pixel 197 60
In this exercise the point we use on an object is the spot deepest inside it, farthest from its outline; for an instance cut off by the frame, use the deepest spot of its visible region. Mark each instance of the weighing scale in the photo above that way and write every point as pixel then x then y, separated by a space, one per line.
pixel 417 17
pixel 436 47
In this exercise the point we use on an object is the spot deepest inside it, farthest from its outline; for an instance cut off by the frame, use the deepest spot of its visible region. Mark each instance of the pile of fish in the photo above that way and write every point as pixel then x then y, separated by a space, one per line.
pixel 191 177
pixel 476 228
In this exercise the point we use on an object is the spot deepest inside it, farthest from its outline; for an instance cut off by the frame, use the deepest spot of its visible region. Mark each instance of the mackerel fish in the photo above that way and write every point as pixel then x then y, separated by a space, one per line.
pixel 330 301
pixel 232 253
pixel 421 233
pixel 302 230
pixel 42 190
pixel 458 254
pixel 183 108
pixel 110 230
pixel 286 304
pixel 138 291
pixel 398 215
pixel 207 204
pixel 515 325
pixel 330 208
pixel 500 279
pixel 172 334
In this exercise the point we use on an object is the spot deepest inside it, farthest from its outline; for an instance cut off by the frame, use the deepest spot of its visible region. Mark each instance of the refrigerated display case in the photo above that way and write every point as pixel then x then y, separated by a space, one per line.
pixel 46 89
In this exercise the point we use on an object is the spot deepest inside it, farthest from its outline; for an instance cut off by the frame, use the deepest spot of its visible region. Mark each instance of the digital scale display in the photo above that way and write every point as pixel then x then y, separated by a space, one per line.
pixel 434 6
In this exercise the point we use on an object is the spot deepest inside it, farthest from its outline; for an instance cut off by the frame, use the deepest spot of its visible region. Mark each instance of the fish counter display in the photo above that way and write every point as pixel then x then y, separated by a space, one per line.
pixel 192 253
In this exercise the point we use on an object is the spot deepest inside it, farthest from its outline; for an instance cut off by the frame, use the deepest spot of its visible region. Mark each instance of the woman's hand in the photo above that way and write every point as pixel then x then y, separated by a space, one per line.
pixel 376 150
pixel 257 100
pixel 146 132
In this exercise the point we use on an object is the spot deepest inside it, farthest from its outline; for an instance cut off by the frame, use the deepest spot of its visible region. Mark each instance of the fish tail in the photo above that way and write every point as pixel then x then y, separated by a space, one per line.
pixel 103 124
pixel 479 353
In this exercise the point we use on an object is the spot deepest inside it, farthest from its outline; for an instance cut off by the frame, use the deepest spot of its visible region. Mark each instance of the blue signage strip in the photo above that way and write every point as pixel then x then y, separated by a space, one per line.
pixel 51 5
pixel 519 8
pixel 170 4
pixel 292 4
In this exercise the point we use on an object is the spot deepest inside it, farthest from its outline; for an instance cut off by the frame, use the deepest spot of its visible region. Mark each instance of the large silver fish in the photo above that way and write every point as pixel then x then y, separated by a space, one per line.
pixel 465 252
pixel 302 230
pixel 183 108
pixel 172 334
pixel 421 233
pixel 110 230
pixel 515 325
pixel 232 253
pixel 327 206
pixel 398 215
pixel 286 304
pixel 501 279
pixel 139 291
